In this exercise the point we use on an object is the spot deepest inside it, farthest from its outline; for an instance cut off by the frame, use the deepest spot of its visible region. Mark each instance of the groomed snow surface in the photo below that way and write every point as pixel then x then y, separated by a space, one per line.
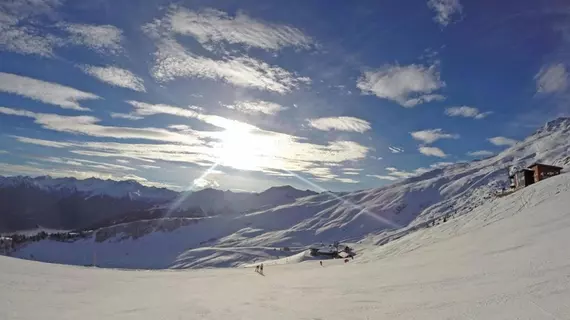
pixel 507 259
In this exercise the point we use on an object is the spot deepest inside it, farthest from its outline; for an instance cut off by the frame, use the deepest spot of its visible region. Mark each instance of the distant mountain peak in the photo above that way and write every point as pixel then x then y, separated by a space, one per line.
pixel 555 125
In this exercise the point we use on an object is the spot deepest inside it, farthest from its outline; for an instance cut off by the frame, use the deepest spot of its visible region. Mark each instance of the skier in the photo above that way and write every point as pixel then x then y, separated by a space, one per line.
pixel 321 263
pixel 256 268
pixel 261 268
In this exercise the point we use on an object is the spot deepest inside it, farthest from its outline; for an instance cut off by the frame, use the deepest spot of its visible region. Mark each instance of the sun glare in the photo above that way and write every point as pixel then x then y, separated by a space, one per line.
pixel 242 148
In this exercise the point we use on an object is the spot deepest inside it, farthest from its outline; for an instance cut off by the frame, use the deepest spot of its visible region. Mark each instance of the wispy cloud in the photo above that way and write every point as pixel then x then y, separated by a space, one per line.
pixel 502 141
pixel 173 61
pixel 432 151
pixel 466 112
pixel 116 77
pixel 84 163
pixel 445 10
pixel 553 78
pixel 408 85
pixel 44 143
pixel 394 149
pixel 20 36
pixel 340 123
pixel 480 153
pixel 211 27
pixel 87 125
pixel 203 148
pixel 148 166
pixel 128 116
pixel 257 106
pixel 432 135
pixel 347 180
pixel 123 161
pixel 47 92
pixel 390 178
pixel 100 38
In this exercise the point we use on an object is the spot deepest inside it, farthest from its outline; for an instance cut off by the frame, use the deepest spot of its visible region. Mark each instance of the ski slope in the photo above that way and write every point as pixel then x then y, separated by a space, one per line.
pixel 374 216
pixel 508 259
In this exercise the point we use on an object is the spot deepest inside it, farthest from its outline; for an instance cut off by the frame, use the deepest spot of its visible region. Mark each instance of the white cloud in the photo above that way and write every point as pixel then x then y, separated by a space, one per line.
pixel 352 171
pixel 179 127
pixel 88 125
pixel 258 106
pixel 554 78
pixel 84 163
pixel 173 61
pixel 346 180
pixel 147 166
pixel 101 38
pixel 408 85
pixel 213 27
pixel 445 10
pixel 432 151
pixel 26 40
pixel 123 161
pixel 340 123
pixel 390 178
pixel 431 136
pixel 116 77
pixel 128 116
pixel 18 35
pixel 466 112
pixel 480 153
pixel 265 150
pixel 46 92
pixel 203 183
pixel 502 141
pixel 394 149
pixel 44 143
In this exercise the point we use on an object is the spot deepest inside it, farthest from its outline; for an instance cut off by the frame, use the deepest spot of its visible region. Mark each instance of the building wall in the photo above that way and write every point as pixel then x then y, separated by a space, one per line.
pixel 541 172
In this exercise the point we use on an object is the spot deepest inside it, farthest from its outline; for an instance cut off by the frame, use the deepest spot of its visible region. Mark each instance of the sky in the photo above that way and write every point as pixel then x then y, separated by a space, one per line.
pixel 245 95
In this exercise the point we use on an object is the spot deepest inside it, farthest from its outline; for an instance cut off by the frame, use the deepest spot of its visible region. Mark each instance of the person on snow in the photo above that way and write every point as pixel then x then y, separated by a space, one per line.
pixel 321 262
pixel 256 268
pixel 261 268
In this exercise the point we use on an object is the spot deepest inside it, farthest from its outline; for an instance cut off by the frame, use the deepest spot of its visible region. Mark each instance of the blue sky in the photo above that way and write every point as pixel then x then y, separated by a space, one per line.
pixel 243 95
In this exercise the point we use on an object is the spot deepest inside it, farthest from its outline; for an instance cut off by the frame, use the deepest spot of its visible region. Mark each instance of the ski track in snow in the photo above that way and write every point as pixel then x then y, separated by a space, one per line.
pixel 507 259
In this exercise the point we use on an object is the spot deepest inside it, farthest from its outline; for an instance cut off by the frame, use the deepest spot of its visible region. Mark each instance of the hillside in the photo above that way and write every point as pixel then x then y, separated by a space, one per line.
pixel 507 259
pixel 381 213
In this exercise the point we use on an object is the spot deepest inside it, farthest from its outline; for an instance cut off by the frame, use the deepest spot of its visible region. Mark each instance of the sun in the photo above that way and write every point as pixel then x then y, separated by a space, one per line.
pixel 244 148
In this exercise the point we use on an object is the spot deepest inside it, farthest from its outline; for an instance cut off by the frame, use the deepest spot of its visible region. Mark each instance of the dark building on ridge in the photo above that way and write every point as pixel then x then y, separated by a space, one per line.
pixel 533 173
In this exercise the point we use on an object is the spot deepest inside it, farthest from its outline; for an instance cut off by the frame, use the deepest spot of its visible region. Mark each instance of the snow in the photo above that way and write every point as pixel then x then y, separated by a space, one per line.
pixel 376 215
pixel 506 259
pixel 91 187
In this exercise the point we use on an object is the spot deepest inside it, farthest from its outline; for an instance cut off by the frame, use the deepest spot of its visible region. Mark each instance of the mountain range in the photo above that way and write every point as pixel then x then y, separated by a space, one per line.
pixel 263 223
pixel 69 203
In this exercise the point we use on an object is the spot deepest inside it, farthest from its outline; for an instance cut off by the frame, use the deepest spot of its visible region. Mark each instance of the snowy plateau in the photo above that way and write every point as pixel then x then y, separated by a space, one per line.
pixel 493 258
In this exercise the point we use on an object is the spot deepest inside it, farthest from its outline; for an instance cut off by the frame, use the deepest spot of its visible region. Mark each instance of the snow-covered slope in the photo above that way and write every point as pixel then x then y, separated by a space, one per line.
pixel 384 212
pixel 507 259
pixel 213 202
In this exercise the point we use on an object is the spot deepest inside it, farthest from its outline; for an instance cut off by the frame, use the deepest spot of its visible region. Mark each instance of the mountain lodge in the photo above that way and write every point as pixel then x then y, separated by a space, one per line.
pixel 533 173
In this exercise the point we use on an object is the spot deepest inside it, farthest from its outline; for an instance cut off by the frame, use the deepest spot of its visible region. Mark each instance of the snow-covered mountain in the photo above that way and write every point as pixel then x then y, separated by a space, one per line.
pixel 69 203
pixel 381 213
pixel 212 201
pixel 508 259
pixel 91 187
